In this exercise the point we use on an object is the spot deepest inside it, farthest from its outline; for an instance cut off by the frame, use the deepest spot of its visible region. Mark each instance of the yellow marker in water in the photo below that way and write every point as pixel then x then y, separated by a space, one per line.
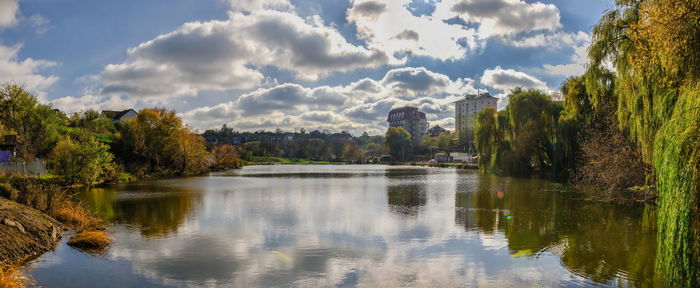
pixel 282 256
pixel 524 252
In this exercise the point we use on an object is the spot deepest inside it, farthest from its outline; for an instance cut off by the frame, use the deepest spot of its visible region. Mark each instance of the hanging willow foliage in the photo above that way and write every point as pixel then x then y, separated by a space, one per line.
pixel 653 47
pixel 523 138
pixel 677 164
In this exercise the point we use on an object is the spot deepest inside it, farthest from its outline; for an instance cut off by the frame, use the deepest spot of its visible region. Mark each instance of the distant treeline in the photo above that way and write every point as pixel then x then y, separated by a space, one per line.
pixel 316 145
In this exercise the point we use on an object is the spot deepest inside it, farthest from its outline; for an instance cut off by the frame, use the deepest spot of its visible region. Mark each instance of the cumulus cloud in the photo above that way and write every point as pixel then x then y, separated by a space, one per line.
pixel 256 5
pixel 578 58
pixel 503 17
pixel 8 13
pixel 367 9
pixel 89 100
pixel 408 35
pixel 507 79
pixel 24 71
pixel 288 97
pixel 387 25
pixel 411 80
pixel 356 107
pixel 225 55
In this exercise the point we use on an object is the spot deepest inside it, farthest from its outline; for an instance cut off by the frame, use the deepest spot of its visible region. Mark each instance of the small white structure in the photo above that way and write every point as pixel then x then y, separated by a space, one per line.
pixel 119 116
pixel 461 157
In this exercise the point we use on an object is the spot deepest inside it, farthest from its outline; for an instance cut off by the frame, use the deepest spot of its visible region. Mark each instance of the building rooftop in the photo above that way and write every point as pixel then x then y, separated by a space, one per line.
pixel 479 96
pixel 401 113
pixel 114 115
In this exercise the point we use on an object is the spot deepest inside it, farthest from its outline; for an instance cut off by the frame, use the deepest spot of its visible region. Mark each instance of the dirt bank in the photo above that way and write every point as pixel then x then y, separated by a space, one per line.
pixel 25 232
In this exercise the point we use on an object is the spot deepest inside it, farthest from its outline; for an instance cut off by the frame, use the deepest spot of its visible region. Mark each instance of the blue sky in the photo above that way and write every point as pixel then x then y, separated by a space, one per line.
pixel 266 64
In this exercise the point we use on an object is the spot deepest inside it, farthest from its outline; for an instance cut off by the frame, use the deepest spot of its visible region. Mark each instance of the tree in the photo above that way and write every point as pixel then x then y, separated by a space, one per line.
pixel 148 137
pixel 522 138
pixel 652 45
pixel 84 161
pixel 314 148
pixel 225 157
pixel 399 143
pixel 91 121
pixel 36 125
pixel 189 152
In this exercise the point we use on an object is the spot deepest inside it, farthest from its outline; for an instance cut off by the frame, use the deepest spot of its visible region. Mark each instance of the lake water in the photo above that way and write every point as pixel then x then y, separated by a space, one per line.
pixel 347 225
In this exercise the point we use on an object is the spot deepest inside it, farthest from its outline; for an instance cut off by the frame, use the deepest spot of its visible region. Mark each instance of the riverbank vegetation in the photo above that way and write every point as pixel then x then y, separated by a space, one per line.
pixel 632 119
pixel 12 277
pixel 87 149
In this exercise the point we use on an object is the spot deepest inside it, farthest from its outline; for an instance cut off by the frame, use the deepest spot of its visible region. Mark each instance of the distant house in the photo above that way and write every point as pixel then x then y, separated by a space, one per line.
pixel 119 116
pixel 7 148
pixel 437 130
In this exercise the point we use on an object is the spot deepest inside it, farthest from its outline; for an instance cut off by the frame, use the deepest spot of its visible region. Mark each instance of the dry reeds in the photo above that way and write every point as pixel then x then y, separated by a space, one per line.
pixel 90 240
pixel 76 215
pixel 86 225
pixel 12 277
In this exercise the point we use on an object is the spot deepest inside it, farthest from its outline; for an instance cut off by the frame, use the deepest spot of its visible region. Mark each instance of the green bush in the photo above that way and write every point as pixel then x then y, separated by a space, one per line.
pixel 86 161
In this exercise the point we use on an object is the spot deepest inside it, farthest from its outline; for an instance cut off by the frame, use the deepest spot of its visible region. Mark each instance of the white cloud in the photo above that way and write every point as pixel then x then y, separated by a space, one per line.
pixel 389 26
pixel 225 55
pixel 24 71
pixel 506 80
pixel 502 17
pixel 8 13
pixel 256 5
pixel 356 107
pixel 70 104
pixel 578 58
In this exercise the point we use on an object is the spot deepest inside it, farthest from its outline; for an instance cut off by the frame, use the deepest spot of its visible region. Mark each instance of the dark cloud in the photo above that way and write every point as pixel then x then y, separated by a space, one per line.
pixel 415 79
pixel 408 35
pixel 369 9
pixel 285 97
pixel 510 16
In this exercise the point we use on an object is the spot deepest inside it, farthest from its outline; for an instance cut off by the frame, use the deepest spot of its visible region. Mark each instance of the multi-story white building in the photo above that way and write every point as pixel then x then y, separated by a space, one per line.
pixel 466 111
pixel 411 120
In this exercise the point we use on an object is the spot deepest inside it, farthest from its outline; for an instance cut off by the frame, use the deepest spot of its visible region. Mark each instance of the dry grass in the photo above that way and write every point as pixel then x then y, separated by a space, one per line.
pixel 90 240
pixel 76 215
pixel 11 277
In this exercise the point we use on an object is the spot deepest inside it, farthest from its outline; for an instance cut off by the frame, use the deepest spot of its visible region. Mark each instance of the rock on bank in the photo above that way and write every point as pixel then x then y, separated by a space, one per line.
pixel 25 232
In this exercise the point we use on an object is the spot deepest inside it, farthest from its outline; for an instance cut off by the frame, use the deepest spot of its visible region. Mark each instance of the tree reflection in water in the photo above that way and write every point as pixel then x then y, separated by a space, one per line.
pixel 157 209
pixel 600 241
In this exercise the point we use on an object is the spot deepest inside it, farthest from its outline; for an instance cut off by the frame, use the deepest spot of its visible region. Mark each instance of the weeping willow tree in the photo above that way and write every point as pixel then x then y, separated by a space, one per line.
pixel 522 138
pixel 653 47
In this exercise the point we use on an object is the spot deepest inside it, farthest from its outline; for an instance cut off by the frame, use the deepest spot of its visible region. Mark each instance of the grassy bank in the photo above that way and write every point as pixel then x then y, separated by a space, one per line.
pixel 271 160
pixel 448 165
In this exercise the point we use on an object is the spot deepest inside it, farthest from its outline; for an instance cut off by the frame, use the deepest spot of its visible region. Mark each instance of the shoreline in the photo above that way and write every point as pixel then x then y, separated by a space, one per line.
pixel 26 233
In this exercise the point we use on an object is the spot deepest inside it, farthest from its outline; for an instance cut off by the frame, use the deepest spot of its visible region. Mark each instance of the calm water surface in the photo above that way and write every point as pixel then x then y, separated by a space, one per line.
pixel 369 226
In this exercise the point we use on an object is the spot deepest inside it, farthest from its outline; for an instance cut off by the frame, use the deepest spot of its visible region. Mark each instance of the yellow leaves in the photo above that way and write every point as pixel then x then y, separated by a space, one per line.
pixel 668 35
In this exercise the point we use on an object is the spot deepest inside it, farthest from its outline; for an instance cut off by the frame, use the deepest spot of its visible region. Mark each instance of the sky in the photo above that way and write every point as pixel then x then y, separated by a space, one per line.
pixel 339 65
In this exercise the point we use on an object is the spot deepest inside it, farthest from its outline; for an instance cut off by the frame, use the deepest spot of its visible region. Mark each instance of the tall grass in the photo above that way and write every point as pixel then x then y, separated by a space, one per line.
pixel 12 277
